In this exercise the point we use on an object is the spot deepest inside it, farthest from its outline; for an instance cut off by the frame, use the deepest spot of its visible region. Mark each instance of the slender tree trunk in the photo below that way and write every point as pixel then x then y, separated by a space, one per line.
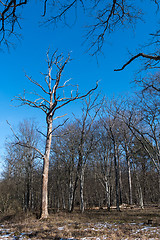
pixel 140 193
pixel 32 193
pixel 76 182
pixel 82 190
pixel 71 188
pixel 44 213
pixel 116 178
pixel 63 200
pixel 140 197
pixel 74 192
pixel 71 185
pixel 58 195
pixel 108 198
pixel 120 180
pixel 28 192
pixel 129 180
pixel 58 204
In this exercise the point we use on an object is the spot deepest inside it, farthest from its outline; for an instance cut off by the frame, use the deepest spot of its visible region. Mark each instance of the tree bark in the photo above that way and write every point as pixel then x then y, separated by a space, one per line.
pixel 120 181
pixel 140 194
pixel 71 190
pixel 108 198
pixel 82 190
pixel 44 213
pixel 116 178
pixel 129 180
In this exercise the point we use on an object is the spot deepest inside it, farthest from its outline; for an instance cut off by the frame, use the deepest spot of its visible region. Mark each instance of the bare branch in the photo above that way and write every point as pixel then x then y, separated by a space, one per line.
pixel 60 125
pixel 45 8
pixel 59 117
pixel 41 133
pixel 156 58
pixel 9 18
pixel 36 83
pixel 107 17
pixel 65 8
pixel 24 144
pixel 30 103
pixel 75 98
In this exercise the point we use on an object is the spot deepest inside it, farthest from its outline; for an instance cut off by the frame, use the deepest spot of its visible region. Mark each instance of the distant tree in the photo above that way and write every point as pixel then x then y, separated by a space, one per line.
pixel 21 164
pixel 149 84
pixel 127 144
pixel 110 125
pixel 142 118
pixel 87 142
pixel 103 162
pixel 64 152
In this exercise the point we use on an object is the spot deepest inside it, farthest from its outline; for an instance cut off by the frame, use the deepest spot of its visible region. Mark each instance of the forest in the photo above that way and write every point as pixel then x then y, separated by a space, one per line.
pixel 107 156
pixel 101 161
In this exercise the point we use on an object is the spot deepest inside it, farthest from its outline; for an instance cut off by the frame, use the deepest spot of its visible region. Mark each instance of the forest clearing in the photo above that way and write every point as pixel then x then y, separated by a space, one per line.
pixel 128 224
pixel 80 119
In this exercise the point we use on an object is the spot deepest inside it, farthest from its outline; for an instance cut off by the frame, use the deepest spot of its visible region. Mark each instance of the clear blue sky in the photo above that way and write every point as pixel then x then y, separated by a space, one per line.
pixel 30 53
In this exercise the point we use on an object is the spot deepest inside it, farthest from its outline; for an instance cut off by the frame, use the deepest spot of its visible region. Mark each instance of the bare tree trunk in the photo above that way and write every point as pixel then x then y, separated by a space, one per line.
pixel 58 203
pixel 71 190
pixel 140 194
pixel 129 180
pixel 28 193
pixel 44 213
pixel 79 167
pixel 71 185
pixel 116 178
pixel 45 189
pixel 120 180
pixel 63 200
pixel 82 190
pixel 74 192
pixel 108 197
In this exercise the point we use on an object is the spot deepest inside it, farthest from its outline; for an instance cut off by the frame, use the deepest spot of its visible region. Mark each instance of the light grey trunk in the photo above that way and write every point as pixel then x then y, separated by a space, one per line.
pixel 129 181
pixel 140 197
pixel 82 190
pixel 70 198
pixel 140 194
pixel 44 213
pixel 120 180
pixel 58 203
pixel 116 178
pixel 108 198
pixel 63 201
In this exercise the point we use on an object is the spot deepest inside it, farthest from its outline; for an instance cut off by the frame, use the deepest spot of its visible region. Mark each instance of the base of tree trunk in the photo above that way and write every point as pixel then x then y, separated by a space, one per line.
pixel 44 216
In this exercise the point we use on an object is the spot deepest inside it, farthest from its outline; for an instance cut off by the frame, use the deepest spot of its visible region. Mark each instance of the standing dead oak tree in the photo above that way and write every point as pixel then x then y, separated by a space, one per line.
pixel 49 104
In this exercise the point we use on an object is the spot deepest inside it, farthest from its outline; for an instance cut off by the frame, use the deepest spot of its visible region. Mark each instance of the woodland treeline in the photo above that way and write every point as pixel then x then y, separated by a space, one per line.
pixel 106 156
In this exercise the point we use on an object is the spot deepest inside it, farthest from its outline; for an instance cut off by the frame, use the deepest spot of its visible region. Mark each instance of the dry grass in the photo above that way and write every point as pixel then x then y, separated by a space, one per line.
pixel 93 224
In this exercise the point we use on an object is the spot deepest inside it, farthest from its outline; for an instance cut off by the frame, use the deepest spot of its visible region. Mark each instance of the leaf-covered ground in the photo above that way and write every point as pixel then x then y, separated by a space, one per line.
pixel 93 224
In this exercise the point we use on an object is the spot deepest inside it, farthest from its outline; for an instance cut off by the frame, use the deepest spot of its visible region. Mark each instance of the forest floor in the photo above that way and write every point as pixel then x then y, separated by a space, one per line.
pixel 92 224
